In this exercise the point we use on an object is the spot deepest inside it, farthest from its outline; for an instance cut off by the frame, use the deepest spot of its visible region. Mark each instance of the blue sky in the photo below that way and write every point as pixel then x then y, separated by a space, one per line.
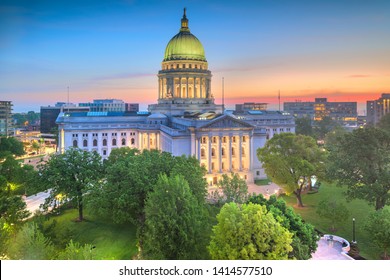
pixel 114 49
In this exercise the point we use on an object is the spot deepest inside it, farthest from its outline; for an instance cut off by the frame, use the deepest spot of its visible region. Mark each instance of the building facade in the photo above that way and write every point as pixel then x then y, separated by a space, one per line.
pixel 6 124
pixel 376 109
pixel 49 115
pixel 345 113
pixel 185 121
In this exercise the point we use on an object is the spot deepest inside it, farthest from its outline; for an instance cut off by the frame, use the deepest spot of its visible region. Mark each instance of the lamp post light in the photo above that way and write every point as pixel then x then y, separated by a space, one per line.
pixel 353 231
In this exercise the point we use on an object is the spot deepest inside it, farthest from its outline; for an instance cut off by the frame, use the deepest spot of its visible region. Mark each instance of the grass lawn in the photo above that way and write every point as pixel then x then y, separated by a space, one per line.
pixel 113 242
pixel 358 209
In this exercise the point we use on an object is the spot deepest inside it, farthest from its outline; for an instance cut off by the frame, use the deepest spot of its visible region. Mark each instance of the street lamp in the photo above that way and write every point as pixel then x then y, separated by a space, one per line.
pixel 353 231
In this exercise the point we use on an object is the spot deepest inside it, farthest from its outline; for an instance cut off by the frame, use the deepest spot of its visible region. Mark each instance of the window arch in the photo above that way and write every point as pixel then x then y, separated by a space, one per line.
pixel 213 152
pixel 114 142
pixel 123 141
pixel 132 141
pixel 85 143
pixel 202 153
pixel 94 142
pixel 104 142
pixel 75 143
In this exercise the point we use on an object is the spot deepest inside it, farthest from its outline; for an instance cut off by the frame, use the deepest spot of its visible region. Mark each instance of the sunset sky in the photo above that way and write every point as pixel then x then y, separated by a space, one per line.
pixel 113 49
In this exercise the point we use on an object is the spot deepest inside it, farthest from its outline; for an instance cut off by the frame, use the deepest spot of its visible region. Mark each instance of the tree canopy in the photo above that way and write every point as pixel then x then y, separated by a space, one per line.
pixel 71 174
pixel 304 235
pixel 248 232
pixel 334 211
pixel 290 160
pixel 176 223
pixel 360 160
pixel 231 189
pixel 10 146
pixel 378 225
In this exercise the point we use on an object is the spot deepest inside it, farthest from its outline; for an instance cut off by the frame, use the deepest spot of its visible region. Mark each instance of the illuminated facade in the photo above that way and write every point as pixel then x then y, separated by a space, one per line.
pixel 345 113
pixel 376 109
pixel 185 121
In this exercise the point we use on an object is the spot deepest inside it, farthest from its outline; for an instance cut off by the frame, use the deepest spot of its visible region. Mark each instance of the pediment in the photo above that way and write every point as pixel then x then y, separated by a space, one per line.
pixel 227 122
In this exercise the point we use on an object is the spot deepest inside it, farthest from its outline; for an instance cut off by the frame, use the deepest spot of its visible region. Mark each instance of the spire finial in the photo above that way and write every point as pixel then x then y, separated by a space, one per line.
pixel 184 22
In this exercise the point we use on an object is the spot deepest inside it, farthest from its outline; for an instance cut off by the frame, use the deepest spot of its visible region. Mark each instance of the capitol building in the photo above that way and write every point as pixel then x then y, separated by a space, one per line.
pixel 185 120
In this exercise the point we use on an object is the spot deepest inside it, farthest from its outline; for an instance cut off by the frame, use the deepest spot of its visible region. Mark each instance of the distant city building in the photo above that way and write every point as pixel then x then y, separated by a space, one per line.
pixel 376 109
pixel 131 107
pixel 6 122
pixel 185 120
pixel 250 106
pixel 345 113
pixel 49 115
pixel 105 105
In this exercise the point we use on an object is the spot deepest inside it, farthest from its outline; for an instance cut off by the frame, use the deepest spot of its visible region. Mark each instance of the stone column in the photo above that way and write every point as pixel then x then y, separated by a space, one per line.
pixel 240 152
pixel 209 159
pixel 198 151
pixel 220 153
pixel 230 152
pixel 187 88
pixel 201 87
pixel 250 152
pixel 193 143
pixel 180 93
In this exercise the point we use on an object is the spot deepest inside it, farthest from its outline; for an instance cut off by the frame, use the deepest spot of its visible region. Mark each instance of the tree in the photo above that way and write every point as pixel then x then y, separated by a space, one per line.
pixel 290 160
pixel 334 211
pixel 248 232
pixel 193 173
pixel 30 244
pixel 303 126
pixel 71 174
pixel 10 146
pixel 361 161
pixel 130 176
pixel 378 225
pixel 324 126
pixel 384 123
pixel 75 251
pixel 175 222
pixel 36 146
pixel 304 235
pixel 12 207
pixel 234 189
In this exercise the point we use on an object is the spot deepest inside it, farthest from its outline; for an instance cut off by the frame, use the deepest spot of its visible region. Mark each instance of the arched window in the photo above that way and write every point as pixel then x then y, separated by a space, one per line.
pixel 75 143
pixel 234 139
pixel 132 141
pixel 105 142
pixel 213 152
pixel 85 143
pixel 214 139
pixel 123 141
pixel 202 153
pixel 114 142
pixel 94 142
pixel 224 139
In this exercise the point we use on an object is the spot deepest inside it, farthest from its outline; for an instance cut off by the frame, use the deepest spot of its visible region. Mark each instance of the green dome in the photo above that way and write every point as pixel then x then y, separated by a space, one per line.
pixel 184 45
